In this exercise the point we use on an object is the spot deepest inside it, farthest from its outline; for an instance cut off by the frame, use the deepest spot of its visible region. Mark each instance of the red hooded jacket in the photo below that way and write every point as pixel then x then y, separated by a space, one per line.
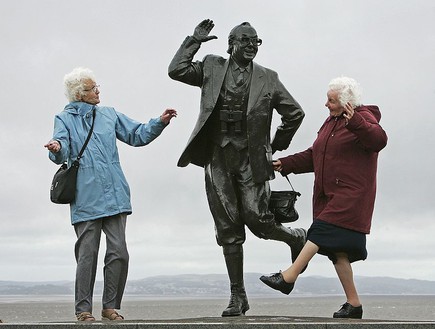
pixel 344 161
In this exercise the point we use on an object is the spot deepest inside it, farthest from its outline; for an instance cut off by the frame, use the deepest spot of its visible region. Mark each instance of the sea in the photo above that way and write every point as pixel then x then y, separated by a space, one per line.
pixel 28 309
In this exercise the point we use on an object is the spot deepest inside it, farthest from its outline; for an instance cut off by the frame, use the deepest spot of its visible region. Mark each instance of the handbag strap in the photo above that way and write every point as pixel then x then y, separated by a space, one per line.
pixel 89 136
pixel 288 180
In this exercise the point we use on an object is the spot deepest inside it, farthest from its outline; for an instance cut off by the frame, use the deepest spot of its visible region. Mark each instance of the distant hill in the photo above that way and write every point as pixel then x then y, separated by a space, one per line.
pixel 215 285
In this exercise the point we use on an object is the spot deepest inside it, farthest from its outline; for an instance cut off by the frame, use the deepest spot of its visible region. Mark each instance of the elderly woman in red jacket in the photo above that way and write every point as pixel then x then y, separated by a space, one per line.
pixel 344 161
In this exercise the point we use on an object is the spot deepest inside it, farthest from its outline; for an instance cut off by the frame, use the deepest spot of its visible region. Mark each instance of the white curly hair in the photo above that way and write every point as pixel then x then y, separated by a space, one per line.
pixel 74 83
pixel 349 91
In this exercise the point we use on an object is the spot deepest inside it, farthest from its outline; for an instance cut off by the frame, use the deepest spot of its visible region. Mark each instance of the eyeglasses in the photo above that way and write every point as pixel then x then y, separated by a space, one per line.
pixel 94 88
pixel 245 41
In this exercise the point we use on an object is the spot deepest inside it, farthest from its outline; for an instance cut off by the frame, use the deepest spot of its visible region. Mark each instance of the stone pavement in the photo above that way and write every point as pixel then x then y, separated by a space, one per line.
pixel 250 322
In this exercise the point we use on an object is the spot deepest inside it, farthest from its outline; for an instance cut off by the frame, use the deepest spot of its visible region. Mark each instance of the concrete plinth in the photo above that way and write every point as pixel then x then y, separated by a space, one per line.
pixel 251 322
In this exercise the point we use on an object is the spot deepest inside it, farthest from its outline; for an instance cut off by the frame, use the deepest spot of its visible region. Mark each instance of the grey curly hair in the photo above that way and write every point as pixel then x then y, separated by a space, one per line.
pixel 349 91
pixel 74 82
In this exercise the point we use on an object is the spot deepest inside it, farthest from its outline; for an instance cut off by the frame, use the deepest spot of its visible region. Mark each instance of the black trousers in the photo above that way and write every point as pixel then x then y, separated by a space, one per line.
pixel 234 199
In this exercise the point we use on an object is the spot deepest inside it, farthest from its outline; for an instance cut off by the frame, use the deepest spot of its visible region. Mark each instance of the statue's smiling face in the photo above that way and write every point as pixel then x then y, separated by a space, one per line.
pixel 245 46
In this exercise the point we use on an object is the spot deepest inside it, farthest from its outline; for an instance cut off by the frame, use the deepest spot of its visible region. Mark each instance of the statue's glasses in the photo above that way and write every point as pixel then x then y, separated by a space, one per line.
pixel 245 41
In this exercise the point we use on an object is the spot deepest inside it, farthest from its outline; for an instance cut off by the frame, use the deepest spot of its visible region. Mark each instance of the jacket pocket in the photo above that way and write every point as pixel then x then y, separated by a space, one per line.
pixel 346 184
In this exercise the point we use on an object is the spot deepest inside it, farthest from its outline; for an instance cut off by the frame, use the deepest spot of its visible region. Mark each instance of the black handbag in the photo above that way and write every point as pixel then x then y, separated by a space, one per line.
pixel 282 205
pixel 63 186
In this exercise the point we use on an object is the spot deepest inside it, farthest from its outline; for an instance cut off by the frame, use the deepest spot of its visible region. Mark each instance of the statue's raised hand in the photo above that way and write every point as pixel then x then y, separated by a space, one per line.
pixel 201 32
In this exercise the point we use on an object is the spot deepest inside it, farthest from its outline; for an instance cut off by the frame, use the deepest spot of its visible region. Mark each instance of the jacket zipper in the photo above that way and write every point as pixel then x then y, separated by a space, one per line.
pixel 330 134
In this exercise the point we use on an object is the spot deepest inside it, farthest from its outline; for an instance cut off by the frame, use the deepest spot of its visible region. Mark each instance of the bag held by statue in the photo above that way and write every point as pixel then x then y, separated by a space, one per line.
pixel 63 186
pixel 282 205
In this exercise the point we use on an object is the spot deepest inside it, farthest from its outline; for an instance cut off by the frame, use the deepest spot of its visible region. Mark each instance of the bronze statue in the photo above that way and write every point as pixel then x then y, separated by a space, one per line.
pixel 231 140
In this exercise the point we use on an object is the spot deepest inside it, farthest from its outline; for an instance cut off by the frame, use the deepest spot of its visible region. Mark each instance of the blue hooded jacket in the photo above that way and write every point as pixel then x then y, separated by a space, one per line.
pixel 102 189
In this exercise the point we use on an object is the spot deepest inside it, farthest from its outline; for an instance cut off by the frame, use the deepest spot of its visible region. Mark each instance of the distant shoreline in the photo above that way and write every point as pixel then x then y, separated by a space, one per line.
pixel 216 285
pixel 68 298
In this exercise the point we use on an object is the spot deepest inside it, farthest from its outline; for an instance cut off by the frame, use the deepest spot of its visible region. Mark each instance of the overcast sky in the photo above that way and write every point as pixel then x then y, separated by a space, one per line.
pixel 388 46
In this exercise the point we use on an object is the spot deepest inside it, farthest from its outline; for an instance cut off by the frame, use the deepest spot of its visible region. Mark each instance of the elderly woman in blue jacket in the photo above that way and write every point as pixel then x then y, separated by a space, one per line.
pixel 102 200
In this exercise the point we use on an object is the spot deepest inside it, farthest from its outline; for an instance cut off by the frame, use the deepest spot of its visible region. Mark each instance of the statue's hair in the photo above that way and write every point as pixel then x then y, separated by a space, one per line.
pixel 74 82
pixel 348 90
pixel 232 35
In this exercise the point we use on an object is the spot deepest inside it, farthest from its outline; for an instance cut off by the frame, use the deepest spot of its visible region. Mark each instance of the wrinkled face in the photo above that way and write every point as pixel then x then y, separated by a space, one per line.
pixel 245 45
pixel 91 94
pixel 333 103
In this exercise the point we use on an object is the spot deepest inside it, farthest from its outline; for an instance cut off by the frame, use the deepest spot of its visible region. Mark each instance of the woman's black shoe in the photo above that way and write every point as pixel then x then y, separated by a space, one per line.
pixel 276 281
pixel 348 311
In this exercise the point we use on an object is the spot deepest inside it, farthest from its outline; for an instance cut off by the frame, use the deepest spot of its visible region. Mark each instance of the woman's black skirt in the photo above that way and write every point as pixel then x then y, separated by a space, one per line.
pixel 332 239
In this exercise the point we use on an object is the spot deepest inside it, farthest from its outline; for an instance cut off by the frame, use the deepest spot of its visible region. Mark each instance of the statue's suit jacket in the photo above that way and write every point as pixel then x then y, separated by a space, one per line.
pixel 266 93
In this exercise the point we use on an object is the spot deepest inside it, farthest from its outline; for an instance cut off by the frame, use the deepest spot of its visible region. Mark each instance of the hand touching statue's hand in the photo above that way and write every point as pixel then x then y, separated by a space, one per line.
pixel 277 165
pixel 201 32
